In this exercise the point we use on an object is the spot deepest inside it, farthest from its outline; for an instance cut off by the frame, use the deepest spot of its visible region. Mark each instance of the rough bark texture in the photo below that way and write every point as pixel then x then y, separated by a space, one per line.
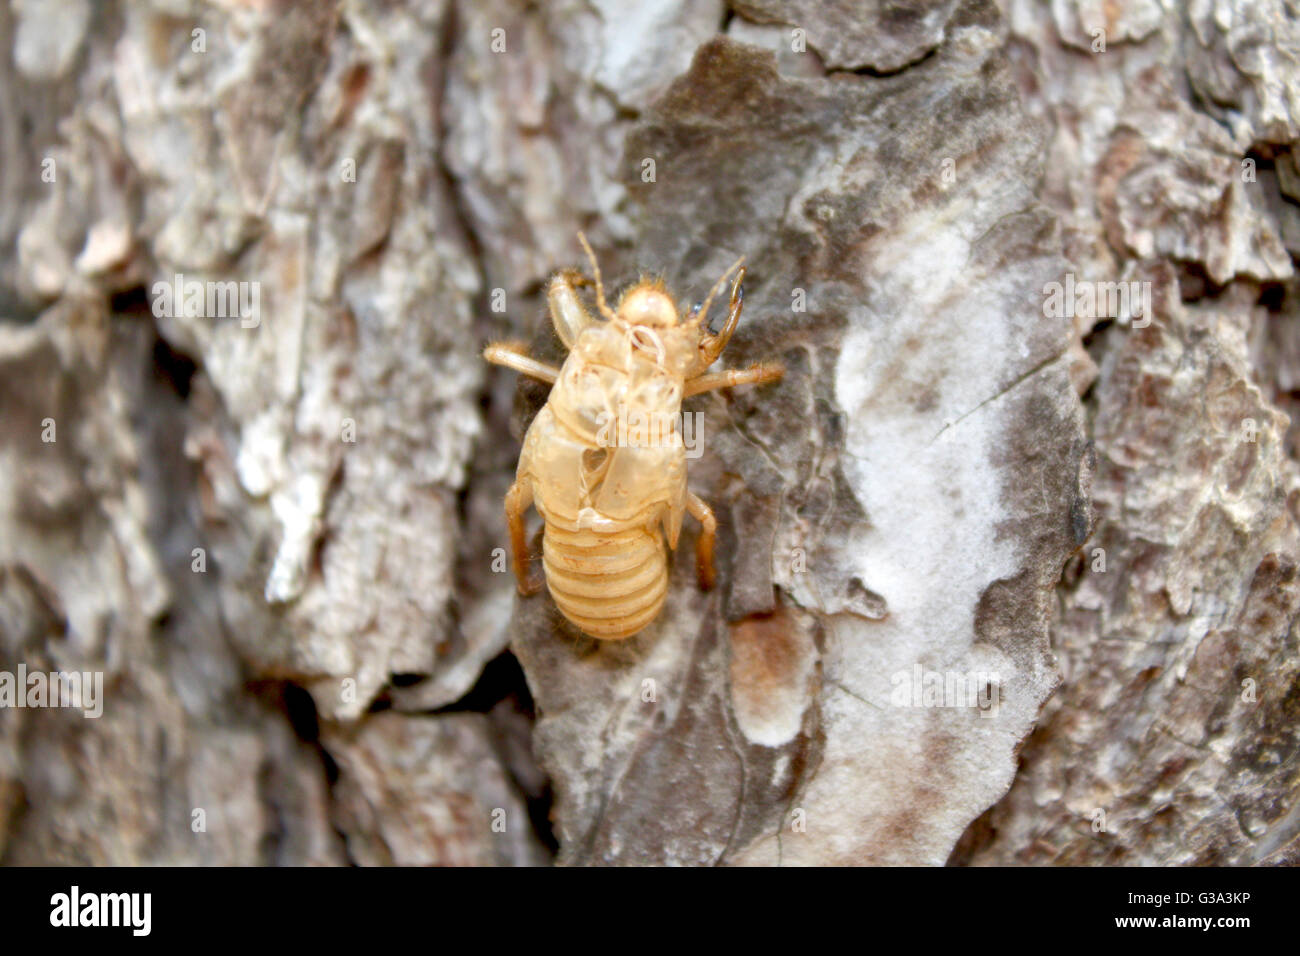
pixel 997 583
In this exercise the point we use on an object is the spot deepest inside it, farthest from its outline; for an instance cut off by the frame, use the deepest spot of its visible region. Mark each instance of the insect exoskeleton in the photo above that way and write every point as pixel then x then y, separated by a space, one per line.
pixel 604 462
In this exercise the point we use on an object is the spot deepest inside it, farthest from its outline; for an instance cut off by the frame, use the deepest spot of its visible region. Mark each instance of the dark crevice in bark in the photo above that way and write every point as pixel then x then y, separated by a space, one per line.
pixel 502 691
pixel 300 710
pixel 174 368
pixel 880 74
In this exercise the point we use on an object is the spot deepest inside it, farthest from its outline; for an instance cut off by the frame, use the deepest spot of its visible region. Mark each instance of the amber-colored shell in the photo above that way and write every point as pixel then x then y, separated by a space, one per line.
pixel 613 507
pixel 607 506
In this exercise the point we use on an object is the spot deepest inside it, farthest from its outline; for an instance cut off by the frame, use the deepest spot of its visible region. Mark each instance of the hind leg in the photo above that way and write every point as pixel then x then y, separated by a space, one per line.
pixel 704 545
pixel 518 498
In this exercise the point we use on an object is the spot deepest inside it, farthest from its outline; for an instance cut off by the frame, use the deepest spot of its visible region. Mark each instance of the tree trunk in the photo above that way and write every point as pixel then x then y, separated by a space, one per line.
pixel 1007 561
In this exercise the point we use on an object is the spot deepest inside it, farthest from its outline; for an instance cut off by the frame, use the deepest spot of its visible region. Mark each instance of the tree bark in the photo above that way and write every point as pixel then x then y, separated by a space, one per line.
pixel 1007 561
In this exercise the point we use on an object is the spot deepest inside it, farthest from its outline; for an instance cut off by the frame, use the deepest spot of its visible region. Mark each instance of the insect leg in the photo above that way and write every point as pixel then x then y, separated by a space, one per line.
pixel 568 314
pixel 714 344
pixel 704 545
pixel 514 355
pixel 518 498
pixel 755 375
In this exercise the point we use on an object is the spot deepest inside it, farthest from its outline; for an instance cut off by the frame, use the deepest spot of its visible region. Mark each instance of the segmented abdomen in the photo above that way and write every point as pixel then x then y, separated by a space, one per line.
pixel 609 584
